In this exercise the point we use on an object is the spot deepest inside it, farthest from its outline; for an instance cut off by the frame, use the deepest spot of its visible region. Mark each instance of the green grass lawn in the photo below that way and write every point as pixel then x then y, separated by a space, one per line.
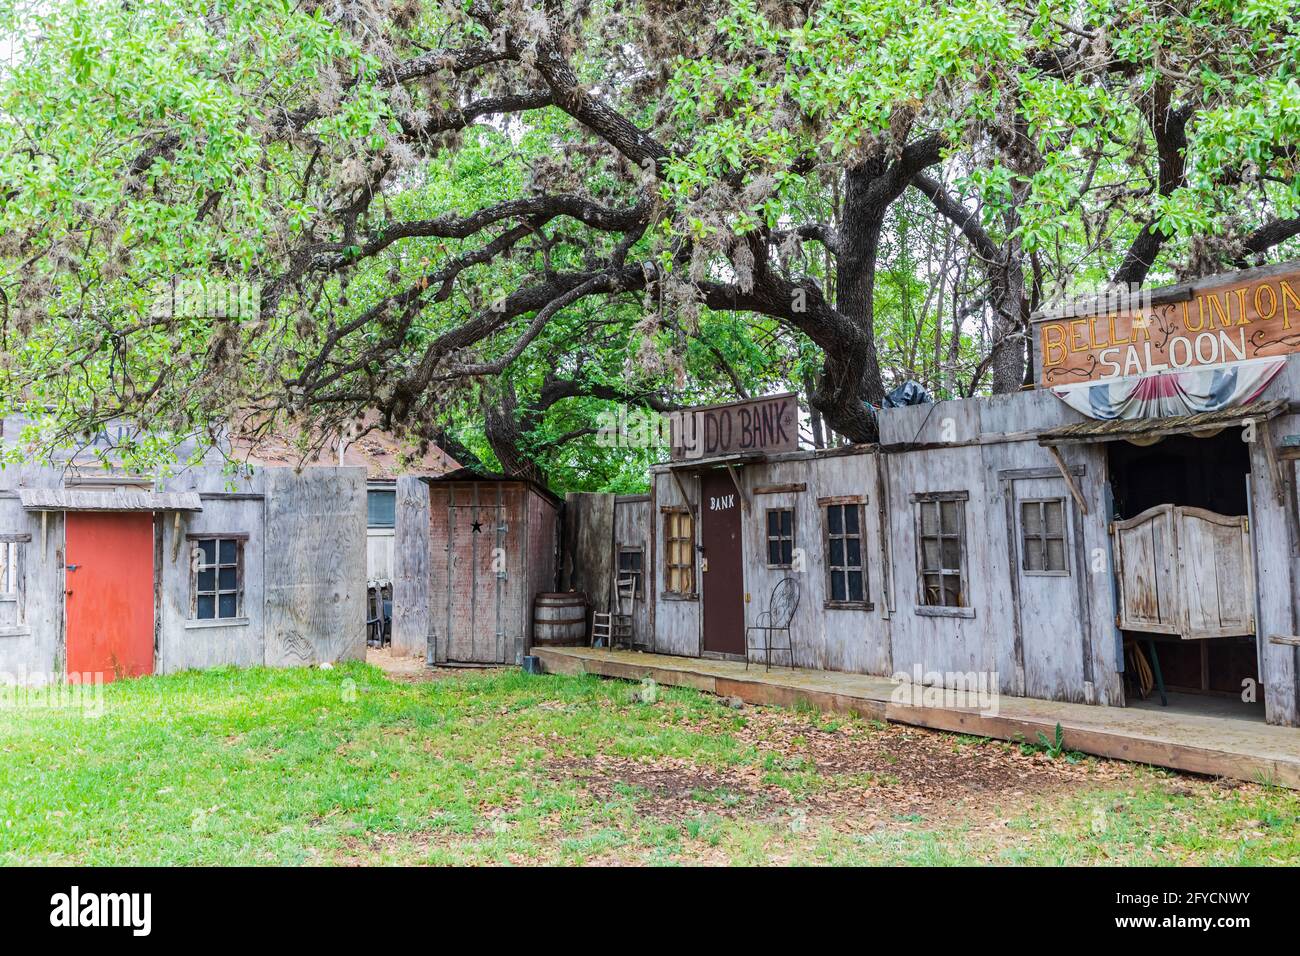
pixel 347 766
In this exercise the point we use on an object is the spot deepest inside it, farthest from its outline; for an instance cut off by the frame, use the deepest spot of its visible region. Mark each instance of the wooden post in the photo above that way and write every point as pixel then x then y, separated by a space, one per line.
pixel 1069 479
pixel 735 480
pixel 1274 466
pixel 682 488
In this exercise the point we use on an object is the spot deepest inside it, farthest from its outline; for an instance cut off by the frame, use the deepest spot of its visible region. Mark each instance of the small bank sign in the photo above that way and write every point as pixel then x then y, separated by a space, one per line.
pixel 768 425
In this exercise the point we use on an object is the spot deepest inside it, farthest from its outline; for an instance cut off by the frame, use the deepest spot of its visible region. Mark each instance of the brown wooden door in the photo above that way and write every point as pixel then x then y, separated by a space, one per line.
pixel 721 571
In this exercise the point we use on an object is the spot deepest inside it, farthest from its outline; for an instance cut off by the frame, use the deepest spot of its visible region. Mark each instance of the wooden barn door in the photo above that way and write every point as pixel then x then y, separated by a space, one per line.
pixel 1054 659
pixel 722 572
pixel 1185 571
pixel 109 596
pixel 476 574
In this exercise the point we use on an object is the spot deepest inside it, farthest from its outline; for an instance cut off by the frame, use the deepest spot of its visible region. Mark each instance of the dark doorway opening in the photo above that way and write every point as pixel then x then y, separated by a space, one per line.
pixel 1210 675
pixel 1205 473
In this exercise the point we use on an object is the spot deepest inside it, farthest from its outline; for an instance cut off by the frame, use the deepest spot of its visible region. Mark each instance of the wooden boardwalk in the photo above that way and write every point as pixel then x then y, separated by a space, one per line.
pixel 1215 745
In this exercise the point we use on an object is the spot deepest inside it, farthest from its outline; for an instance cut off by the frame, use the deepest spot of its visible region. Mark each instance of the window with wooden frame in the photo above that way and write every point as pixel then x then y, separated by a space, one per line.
pixel 780 537
pixel 217 577
pixel 1042 536
pixel 679 553
pixel 846 567
pixel 12 609
pixel 631 564
pixel 941 548
pixel 9 558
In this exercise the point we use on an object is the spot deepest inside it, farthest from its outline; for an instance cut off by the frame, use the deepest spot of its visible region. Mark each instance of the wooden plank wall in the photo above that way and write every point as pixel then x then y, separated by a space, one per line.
pixel 677 620
pixel 232 506
pixel 632 529
pixel 897 634
pixel 589 546
pixel 315 565
pixel 480 598
pixel 304 570
pixel 1276 536
pixel 32 650
pixel 542 533
pixel 411 549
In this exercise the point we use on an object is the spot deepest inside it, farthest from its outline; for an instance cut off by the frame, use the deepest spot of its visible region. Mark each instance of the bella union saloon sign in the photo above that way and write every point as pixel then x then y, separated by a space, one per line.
pixel 1202 345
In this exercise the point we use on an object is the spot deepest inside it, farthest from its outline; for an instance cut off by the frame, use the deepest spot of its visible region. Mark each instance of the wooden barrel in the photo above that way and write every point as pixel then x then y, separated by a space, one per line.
pixel 560 619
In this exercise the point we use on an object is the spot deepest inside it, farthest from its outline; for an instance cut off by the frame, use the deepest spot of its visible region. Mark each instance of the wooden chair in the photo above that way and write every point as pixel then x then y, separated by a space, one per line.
pixel 782 604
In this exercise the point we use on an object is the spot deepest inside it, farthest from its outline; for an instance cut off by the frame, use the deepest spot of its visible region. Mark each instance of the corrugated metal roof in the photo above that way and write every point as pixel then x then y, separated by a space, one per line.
pixel 1117 429
pixel 81 499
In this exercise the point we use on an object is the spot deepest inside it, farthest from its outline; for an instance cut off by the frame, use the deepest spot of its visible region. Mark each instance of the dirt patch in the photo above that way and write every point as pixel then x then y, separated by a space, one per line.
pixel 411 669
pixel 856 776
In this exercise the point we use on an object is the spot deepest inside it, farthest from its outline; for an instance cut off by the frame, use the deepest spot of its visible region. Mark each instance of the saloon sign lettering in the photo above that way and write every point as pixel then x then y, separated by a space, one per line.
pixel 1225 320
pixel 769 424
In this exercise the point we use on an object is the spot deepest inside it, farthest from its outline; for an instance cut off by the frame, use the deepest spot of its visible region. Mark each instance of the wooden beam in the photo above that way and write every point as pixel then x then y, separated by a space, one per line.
pixel 685 497
pixel 791 487
pixel 1289 640
pixel 1069 478
pixel 735 480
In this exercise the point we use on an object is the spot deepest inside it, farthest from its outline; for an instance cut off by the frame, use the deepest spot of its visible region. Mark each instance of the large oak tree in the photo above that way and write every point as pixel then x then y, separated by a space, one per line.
pixel 526 210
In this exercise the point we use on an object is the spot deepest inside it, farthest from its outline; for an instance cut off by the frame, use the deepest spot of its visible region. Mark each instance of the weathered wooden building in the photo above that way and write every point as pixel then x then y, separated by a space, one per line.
pixel 120 575
pixel 471 551
pixel 1140 504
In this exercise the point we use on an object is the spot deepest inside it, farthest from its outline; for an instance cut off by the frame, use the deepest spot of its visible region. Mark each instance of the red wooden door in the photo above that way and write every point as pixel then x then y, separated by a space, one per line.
pixel 109 603
pixel 723 577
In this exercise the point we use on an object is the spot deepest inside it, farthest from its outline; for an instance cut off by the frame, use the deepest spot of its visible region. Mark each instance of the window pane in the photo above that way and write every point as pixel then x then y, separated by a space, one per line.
pixel 381 509
pixel 952 591
pixel 209 549
pixel 1056 554
pixel 1033 554
pixel 229 606
pixel 851 519
pixel 855 586
pixel 948 513
pixel 1054 513
pixel 773 522
pixel 932 593
pixel 1030 517
pixel 853 552
pixel 835 519
pixel 227 579
pixel 929 517
pixel 774 552
pixel 207 606
pixel 228 550
pixel 787 523
pixel 207 579
pixel 951 553
pixel 929 553
pixel 838 592
pixel 787 552
pixel 837 552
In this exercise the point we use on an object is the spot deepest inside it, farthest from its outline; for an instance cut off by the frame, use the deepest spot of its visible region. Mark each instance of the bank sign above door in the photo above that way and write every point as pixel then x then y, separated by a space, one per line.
pixel 1197 347
pixel 765 425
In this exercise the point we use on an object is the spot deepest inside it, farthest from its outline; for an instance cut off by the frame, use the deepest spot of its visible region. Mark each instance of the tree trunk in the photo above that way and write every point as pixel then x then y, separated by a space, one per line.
pixel 855 273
